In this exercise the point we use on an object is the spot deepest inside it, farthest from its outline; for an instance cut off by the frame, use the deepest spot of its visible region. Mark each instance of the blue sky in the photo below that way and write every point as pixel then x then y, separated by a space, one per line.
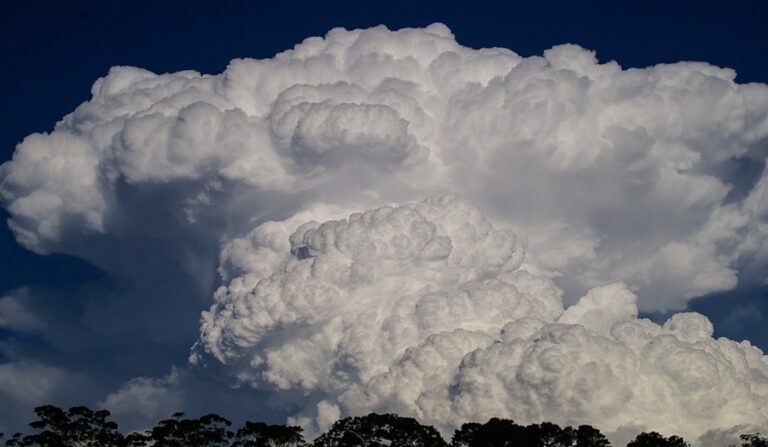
pixel 53 52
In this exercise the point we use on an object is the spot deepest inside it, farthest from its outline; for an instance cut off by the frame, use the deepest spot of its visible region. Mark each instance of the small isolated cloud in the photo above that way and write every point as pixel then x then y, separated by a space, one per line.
pixel 14 314
pixel 145 400
pixel 27 384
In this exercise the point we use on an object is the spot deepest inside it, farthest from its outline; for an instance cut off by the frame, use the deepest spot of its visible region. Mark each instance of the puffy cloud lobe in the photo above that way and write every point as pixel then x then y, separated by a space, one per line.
pixel 603 306
pixel 398 266
pixel 145 399
pixel 614 175
pixel 641 374
pixel 584 125
pixel 52 182
pixel 15 315
pixel 326 133
pixel 426 309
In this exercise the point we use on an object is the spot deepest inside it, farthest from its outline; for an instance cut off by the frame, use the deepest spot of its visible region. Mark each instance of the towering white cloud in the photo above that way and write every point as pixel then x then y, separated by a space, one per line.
pixel 375 284
pixel 652 178
pixel 427 310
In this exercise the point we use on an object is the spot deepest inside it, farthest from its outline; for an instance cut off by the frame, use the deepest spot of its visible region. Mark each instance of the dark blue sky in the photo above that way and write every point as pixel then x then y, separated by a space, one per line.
pixel 53 51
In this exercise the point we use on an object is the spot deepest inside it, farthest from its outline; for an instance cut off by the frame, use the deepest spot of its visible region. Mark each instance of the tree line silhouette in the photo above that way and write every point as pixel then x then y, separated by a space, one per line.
pixel 82 427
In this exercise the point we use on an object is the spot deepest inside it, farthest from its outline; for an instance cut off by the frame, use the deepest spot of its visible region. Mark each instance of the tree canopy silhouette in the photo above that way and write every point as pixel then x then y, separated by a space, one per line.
pixel 259 434
pixel 207 431
pixel 753 440
pixel 79 426
pixel 82 427
pixel 506 433
pixel 494 433
pixel 654 439
pixel 380 430
pixel 588 436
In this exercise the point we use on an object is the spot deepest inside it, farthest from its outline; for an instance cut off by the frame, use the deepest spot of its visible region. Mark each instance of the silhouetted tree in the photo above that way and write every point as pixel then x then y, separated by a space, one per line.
pixel 495 433
pixel 380 430
pixel 259 434
pixel 753 440
pixel 14 441
pixel 77 427
pixel 588 436
pixel 138 440
pixel 552 435
pixel 82 427
pixel 654 439
pixel 207 431
pixel 506 433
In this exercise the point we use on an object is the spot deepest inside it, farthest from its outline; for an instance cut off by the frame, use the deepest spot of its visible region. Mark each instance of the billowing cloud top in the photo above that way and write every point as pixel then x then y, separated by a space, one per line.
pixel 650 176
pixel 653 178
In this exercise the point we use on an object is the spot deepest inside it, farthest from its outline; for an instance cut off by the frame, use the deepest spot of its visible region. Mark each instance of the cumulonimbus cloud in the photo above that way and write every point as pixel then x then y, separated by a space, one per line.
pixel 426 309
pixel 653 178
pixel 649 176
